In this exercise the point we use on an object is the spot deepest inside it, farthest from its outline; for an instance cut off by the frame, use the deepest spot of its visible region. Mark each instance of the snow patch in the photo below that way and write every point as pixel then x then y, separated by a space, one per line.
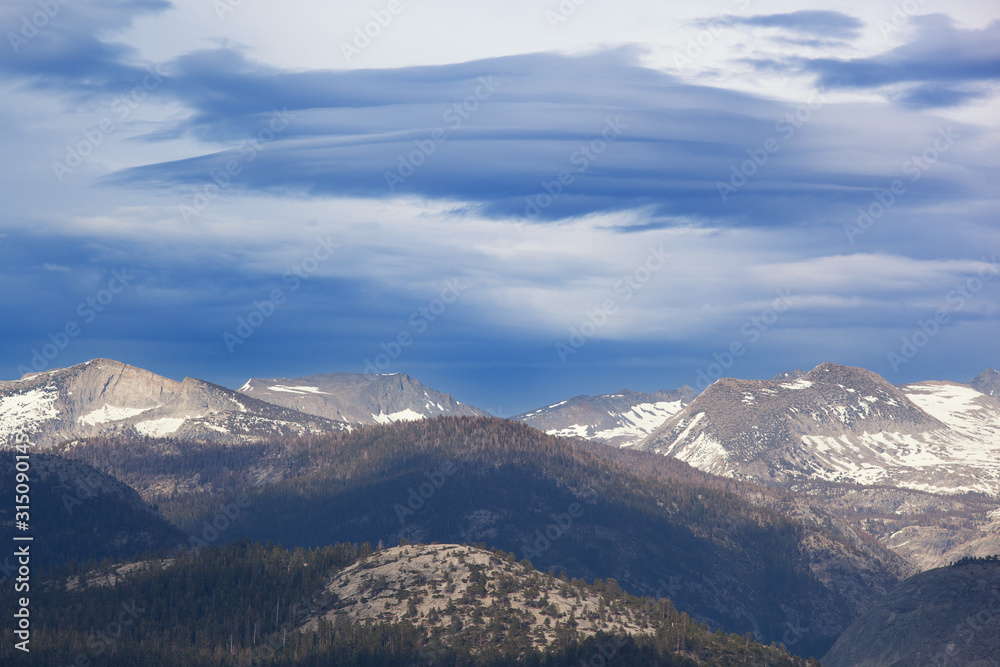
pixel 110 413
pixel 705 453
pixel 297 390
pixel 157 428
pixel 26 410
pixel 633 425
pixel 798 384
pixel 406 415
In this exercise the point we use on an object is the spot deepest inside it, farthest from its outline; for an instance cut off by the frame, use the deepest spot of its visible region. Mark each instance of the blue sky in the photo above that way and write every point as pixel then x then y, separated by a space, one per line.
pixel 515 204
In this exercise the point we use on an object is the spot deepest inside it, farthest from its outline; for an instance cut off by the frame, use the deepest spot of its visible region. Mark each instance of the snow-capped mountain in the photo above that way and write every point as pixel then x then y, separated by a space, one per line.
pixel 358 398
pixel 621 419
pixel 987 382
pixel 840 423
pixel 104 397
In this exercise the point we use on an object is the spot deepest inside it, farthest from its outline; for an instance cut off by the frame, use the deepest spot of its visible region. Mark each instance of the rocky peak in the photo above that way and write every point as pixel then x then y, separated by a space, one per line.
pixel 987 382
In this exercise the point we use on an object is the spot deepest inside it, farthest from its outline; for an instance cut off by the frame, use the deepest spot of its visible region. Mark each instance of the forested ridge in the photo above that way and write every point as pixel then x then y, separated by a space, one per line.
pixel 244 603
pixel 721 549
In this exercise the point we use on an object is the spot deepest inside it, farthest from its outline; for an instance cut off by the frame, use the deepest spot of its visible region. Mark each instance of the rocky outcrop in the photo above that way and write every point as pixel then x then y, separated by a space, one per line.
pixel 987 382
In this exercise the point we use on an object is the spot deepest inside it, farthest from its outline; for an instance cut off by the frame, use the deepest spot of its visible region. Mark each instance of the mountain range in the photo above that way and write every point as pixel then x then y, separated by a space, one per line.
pixel 784 508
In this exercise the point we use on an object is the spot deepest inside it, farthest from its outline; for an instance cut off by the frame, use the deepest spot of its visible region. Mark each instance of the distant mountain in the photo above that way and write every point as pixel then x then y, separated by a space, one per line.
pixel 840 423
pixel 949 616
pixel 358 398
pixel 78 512
pixel 725 551
pixel 105 397
pixel 987 382
pixel 927 530
pixel 619 419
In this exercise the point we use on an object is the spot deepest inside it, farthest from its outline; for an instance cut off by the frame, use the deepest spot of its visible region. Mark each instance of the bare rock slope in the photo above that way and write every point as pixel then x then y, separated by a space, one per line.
pixel 105 397
pixel 433 585
pixel 842 424
pixel 358 398
pixel 620 419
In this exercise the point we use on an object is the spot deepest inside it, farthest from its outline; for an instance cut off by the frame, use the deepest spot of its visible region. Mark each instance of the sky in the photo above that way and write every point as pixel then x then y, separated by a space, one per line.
pixel 513 202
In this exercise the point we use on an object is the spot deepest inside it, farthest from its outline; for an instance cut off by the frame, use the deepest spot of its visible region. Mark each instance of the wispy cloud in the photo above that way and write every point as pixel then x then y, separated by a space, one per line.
pixel 938 60
pixel 821 23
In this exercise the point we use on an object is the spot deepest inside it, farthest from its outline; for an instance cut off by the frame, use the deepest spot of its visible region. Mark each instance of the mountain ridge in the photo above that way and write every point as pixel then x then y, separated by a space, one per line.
pixel 621 419
pixel 104 397
pixel 839 423
pixel 358 398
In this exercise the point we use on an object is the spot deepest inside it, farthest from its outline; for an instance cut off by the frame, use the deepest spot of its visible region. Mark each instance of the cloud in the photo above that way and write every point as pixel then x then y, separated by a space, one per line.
pixel 822 23
pixel 496 136
pixel 938 58
pixel 934 95
pixel 474 143
pixel 67 48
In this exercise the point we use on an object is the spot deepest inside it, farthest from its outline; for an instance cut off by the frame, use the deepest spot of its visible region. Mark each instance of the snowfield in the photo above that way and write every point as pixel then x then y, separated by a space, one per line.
pixel 24 412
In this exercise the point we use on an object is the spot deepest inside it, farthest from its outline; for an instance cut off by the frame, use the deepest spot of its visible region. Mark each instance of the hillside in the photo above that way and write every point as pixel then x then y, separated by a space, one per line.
pixel 244 604
pixel 840 424
pixel 714 547
pixel 987 382
pixel 79 513
pixel 948 616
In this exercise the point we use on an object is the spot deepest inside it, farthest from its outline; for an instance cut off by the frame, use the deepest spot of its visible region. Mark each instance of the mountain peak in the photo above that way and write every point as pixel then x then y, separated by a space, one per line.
pixel 358 398
pixel 838 423
pixel 108 397
pixel 987 382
